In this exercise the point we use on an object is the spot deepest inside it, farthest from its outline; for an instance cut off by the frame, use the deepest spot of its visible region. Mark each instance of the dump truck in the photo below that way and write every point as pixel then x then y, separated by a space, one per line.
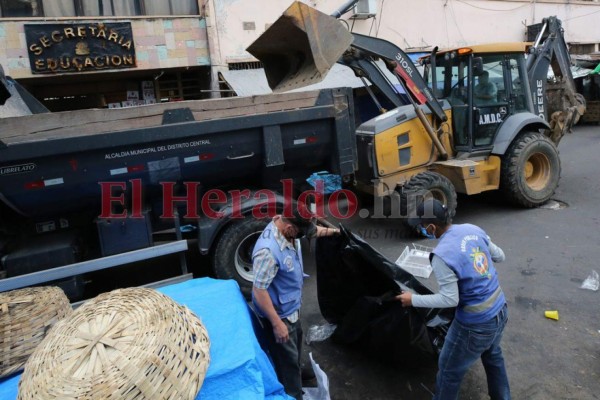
pixel 84 191
pixel 448 138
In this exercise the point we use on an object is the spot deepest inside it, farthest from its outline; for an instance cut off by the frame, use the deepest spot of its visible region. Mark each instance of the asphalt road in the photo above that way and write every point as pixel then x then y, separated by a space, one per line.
pixel 550 252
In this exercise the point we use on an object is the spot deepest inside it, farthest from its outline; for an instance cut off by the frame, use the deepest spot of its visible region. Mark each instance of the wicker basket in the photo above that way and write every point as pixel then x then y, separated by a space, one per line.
pixel 127 344
pixel 26 315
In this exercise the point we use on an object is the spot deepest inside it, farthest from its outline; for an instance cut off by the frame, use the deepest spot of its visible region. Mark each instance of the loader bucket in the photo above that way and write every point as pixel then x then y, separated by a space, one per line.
pixel 300 47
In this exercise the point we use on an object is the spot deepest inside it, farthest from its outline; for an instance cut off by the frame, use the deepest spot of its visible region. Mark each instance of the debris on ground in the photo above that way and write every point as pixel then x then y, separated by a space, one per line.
pixel 591 282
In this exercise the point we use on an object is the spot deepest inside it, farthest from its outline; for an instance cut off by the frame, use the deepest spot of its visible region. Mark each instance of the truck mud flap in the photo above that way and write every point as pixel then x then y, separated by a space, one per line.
pixel 356 285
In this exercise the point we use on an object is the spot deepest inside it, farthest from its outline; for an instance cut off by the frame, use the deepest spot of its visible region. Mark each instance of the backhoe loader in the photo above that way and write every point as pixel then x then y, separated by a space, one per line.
pixel 453 135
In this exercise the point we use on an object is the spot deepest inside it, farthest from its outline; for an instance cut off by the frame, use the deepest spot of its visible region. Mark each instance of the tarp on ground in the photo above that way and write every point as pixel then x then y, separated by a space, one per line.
pixel 239 368
pixel 356 285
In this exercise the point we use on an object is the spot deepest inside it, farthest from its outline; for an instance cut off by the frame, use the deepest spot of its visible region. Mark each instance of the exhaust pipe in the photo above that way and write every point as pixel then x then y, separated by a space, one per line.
pixel 300 48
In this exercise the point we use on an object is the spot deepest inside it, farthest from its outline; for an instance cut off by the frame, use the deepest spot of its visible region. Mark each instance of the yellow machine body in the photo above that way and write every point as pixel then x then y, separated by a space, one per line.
pixel 396 147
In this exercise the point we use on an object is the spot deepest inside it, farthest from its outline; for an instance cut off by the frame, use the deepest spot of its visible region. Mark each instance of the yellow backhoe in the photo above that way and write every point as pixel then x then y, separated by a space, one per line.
pixel 480 118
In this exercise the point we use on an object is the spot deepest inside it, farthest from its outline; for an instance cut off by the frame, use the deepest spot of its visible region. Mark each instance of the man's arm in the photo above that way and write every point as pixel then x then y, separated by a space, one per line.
pixel 495 251
pixel 265 268
pixel 487 92
pixel 263 300
pixel 447 295
pixel 492 92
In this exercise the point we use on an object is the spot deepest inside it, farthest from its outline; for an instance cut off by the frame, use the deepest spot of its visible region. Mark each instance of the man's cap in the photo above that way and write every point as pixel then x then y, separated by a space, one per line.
pixel 301 216
pixel 429 211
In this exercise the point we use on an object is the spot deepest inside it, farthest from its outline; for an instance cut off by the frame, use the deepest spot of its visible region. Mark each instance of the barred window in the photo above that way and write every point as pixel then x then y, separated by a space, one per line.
pixel 95 8
pixel 21 8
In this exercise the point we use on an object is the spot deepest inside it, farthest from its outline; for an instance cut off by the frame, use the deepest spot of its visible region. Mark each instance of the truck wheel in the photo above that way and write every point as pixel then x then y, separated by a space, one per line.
pixel 530 170
pixel 232 257
pixel 424 186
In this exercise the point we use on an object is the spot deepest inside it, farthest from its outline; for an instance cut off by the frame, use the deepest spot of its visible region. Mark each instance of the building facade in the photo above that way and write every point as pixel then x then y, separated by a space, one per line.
pixel 415 26
pixel 74 54
pixel 113 53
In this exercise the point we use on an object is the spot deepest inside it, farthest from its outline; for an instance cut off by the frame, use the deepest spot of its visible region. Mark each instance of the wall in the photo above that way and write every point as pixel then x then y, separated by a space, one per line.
pixel 411 25
pixel 455 23
pixel 159 43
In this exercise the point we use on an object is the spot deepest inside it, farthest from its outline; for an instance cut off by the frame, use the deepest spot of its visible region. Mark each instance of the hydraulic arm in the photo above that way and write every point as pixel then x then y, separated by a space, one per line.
pixel 564 105
pixel 303 44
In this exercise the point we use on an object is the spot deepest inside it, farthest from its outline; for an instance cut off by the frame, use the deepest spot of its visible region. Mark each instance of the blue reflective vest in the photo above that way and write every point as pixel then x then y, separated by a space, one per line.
pixel 286 288
pixel 464 248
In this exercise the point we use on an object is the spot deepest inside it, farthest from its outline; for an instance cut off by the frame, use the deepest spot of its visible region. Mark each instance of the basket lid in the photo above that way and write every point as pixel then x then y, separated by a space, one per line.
pixel 131 343
pixel 26 315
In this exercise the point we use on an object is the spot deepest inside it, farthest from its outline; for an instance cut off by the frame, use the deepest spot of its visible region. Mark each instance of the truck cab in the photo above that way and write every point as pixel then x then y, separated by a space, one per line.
pixel 485 85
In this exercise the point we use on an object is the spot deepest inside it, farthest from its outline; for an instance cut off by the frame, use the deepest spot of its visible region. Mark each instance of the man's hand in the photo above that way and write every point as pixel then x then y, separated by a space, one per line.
pixel 280 330
pixel 405 298
pixel 263 301
pixel 324 231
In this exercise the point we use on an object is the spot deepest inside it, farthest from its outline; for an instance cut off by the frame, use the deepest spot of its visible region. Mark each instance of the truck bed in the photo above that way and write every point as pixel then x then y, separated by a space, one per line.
pixel 60 125
pixel 50 160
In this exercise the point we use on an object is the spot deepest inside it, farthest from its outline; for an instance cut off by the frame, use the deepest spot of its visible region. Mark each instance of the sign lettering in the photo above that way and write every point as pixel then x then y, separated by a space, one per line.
pixel 486 119
pixel 17 169
pixel 156 149
pixel 405 64
pixel 539 96
pixel 55 48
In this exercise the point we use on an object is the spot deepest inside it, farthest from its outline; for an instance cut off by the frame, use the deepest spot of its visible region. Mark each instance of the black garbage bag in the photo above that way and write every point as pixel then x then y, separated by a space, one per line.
pixel 356 285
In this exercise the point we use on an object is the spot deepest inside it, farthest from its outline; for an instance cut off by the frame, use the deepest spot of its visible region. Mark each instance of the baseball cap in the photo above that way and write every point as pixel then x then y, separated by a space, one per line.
pixel 429 211
pixel 303 222
pixel 301 216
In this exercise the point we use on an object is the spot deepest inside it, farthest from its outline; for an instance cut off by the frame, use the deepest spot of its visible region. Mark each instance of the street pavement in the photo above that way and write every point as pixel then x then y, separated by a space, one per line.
pixel 550 252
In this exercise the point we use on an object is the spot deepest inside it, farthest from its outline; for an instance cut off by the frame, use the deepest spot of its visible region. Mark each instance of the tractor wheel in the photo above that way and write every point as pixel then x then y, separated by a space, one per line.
pixel 530 170
pixel 232 257
pixel 424 186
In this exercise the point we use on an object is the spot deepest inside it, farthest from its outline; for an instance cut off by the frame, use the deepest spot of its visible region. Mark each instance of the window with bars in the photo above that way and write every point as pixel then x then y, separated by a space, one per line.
pixel 95 8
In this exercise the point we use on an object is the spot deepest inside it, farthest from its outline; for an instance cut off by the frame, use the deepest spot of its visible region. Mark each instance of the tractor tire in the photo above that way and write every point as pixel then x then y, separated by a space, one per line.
pixel 424 186
pixel 530 170
pixel 232 256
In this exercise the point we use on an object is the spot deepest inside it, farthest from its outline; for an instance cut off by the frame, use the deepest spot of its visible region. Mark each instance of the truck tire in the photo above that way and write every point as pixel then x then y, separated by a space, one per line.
pixel 424 186
pixel 232 257
pixel 530 170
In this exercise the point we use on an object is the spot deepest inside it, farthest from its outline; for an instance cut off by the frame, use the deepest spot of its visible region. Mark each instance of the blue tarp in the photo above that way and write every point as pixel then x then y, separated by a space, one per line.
pixel 239 368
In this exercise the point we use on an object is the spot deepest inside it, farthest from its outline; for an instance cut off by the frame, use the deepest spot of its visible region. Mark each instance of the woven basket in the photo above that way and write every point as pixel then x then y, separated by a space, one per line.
pixel 26 315
pixel 127 344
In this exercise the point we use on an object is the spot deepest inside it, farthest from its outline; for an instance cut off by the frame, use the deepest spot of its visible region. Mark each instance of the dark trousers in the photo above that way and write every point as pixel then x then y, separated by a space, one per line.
pixel 286 357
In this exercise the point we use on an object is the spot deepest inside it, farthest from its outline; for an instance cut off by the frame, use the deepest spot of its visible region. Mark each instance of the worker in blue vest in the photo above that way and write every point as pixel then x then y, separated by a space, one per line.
pixel 463 263
pixel 277 293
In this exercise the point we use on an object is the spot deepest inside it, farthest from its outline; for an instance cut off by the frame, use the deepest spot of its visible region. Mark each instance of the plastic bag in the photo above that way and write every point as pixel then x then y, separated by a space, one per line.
pixel 354 286
pixel 321 392
pixel 318 333
pixel 592 282
pixel 331 182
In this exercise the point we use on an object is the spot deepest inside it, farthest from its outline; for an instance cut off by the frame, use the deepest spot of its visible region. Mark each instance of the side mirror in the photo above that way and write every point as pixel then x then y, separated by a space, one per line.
pixel 477 66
